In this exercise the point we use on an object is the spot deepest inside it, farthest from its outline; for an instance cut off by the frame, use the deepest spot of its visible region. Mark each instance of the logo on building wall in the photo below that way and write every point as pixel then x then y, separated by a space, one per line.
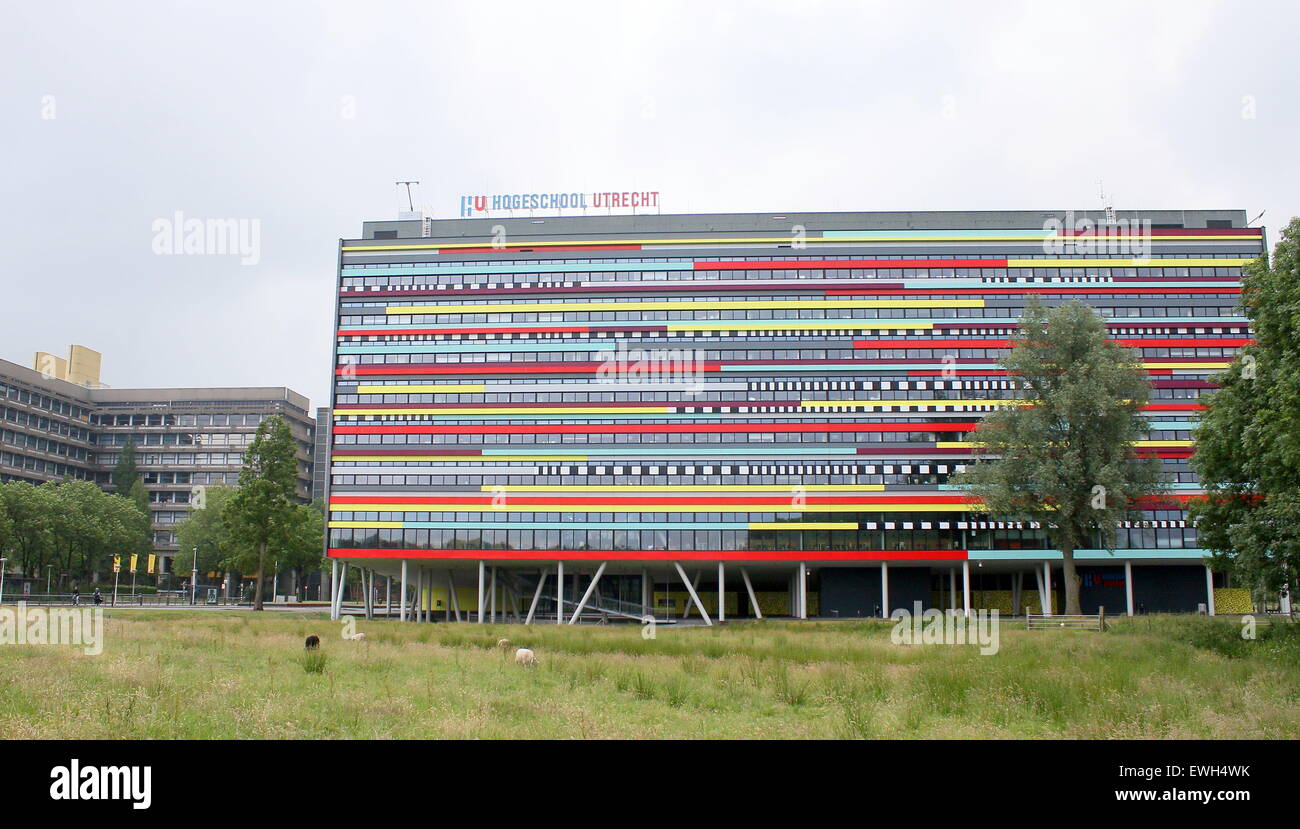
pixel 471 206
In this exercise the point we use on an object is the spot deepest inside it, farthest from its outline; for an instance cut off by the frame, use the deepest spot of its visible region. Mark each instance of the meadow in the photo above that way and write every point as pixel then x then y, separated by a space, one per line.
pixel 203 675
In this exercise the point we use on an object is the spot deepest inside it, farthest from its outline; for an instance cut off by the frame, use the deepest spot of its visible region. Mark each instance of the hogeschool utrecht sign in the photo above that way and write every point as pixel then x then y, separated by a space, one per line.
pixel 621 199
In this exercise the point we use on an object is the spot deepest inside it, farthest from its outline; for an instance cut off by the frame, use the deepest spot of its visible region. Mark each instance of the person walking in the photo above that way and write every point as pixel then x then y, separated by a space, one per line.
pixel 76 596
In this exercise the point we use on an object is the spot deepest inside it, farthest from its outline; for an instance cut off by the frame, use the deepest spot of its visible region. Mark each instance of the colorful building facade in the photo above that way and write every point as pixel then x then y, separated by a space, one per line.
pixel 691 411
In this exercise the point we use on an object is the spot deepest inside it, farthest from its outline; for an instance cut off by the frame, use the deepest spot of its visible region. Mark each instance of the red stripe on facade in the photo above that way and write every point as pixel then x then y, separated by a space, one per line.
pixel 653 555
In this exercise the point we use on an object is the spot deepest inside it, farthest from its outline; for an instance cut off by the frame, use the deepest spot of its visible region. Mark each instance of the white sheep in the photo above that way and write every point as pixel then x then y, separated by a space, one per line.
pixel 525 657
pixel 358 637
pixel 503 644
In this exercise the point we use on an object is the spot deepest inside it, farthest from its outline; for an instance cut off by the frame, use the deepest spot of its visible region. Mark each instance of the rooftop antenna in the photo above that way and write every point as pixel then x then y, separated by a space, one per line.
pixel 410 205
pixel 1251 223
pixel 1106 205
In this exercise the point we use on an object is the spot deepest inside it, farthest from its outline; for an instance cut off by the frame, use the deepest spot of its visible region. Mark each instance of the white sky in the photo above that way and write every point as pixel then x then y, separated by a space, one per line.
pixel 236 109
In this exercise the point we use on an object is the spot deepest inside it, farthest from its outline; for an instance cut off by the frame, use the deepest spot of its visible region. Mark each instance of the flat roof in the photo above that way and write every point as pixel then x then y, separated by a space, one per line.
pixel 556 228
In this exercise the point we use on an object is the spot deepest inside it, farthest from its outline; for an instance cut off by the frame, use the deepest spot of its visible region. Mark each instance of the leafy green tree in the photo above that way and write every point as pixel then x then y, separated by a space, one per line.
pixel 29 512
pixel 206 529
pixel 261 514
pixel 1067 459
pixel 125 473
pixel 88 527
pixel 1248 443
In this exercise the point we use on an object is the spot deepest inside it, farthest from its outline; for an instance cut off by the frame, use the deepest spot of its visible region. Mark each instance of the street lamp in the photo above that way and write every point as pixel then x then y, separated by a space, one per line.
pixel 194 574
pixel 2 579
pixel 49 576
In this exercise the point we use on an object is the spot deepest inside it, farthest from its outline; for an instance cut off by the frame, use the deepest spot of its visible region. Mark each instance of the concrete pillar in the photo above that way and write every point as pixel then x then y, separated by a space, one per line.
pixel 965 587
pixel 1209 590
pixel 804 590
pixel 1047 586
pixel 334 606
pixel 647 597
pixel 1128 586
pixel 559 593
pixel 403 603
pixel 482 591
pixel 884 589
pixel 722 587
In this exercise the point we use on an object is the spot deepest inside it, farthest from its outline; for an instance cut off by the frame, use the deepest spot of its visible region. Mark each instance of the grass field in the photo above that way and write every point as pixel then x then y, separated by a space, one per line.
pixel 185 674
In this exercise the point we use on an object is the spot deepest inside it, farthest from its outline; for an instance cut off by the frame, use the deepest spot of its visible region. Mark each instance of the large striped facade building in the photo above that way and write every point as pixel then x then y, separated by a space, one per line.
pixel 747 413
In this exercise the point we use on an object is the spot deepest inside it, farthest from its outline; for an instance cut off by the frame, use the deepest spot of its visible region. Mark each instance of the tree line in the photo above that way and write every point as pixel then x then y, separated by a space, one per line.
pixel 72 529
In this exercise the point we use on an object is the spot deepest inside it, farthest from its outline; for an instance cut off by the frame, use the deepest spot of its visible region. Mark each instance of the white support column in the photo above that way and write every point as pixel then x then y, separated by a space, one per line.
pixel 647 592
pixel 884 589
pixel 749 588
pixel 1128 586
pixel 343 583
pixel 454 596
pixel 591 588
pixel 722 592
pixel 559 593
pixel 1047 587
pixel 965 588
pixel 695 586
pixel 419 595
pixel 403 590
pixel 1042 595
pixel 537 596
pixel 482 590
pixel 368 585
pixel 388 597
pixel 1209 590
pixel 803 590
pixel 334 605
pixel 690 588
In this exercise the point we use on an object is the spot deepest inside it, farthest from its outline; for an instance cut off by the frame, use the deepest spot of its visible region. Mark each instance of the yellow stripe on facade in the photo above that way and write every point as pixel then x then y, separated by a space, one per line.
pixel 665 305
pixel 1191 364
pixel 377 525
pixel 448 388
pixel 803 525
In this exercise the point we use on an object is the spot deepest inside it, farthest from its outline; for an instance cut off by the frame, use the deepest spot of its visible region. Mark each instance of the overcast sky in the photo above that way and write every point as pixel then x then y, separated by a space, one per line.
pixel 301 116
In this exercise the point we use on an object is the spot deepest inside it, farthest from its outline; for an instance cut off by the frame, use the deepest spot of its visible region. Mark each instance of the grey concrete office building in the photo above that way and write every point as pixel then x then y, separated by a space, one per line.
pixel 52 428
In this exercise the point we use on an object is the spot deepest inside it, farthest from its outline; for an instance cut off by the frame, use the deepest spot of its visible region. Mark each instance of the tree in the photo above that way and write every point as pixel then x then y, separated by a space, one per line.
pixel 1248 442
pixel 261 513
pixel 206 529
pixel 1066 459
pixel 125 474
pixel 29 514
pixel 88 526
